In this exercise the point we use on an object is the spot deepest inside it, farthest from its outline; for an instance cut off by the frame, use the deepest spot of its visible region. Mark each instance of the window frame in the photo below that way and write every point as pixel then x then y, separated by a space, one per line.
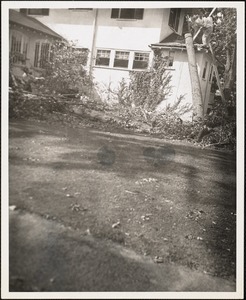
pixel 174 18
pixel 117 13
pixel 130 59
pixel 38 63
pixel 22 47
pixel 98 58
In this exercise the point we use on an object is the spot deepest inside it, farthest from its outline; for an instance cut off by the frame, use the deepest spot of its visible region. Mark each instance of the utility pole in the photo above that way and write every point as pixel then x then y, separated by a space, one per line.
pixel 195 82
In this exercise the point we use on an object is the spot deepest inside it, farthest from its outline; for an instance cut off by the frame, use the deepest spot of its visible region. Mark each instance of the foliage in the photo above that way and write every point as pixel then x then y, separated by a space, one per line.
pixel 65 72
pixel 146 89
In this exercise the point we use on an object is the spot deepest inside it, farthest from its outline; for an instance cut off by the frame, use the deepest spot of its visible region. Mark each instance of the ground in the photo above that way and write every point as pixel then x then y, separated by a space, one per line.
pixel 172 203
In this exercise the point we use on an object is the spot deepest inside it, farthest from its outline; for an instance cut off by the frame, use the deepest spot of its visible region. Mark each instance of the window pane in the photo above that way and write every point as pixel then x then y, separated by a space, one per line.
pixel 37 11
pixel 36 56
pixel 103 57
pixel 174 18
pixel 127 13
pixel 204 70
pixel 139 14
pixel 141 60
pixel 121 59
pixel 115 13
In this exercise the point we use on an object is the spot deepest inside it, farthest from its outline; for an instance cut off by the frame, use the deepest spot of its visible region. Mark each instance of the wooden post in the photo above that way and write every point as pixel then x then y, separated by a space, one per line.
pixel 195 82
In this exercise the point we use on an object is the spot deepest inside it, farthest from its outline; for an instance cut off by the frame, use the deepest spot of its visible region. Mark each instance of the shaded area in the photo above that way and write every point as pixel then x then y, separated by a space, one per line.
pixel 155 189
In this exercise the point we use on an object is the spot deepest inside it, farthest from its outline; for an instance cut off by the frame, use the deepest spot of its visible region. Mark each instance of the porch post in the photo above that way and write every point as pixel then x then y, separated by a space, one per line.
pixel 195 82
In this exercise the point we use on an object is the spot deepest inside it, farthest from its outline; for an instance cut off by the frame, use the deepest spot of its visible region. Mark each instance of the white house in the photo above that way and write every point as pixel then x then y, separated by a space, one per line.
pixel 121 40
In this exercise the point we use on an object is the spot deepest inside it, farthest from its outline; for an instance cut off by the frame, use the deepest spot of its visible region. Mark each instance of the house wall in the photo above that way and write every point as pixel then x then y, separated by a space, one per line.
pixel 181 83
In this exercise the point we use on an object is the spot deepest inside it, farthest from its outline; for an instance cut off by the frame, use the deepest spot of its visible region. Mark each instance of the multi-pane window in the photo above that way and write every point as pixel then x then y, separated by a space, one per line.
pixel 141 60
pixel 35 11
pixel 121 59
pixel 127 13
pixel 18 48
pixel 131 60
pixel 42 54
pixel 205 70
pixel 103 57
pixel 174 18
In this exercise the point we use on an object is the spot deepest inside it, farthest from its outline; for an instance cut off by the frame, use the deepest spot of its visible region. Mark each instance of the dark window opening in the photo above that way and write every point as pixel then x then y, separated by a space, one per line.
pixel 121 59
pixel 35 11
pixel 174 18
pixel 205 70
pixel 127 13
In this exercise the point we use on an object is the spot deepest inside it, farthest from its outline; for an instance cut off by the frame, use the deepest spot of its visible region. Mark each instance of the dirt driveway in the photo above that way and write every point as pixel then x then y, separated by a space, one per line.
pixel 171 203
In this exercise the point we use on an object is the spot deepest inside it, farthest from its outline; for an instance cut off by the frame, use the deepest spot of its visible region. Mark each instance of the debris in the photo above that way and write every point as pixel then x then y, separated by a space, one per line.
pixel 135 193
pixel 189 236
pixel 69 196
pixel 88 231
pixel 146 217
pixel 76 207
pixel 12 207
pixel 64 189
pixel 116 225
pixel 199 238
pixel 126 233
pixel 146 180
pixel 158 259
pixel 227 228
pixel 77 193
pixel 165 239
pixel 52 280
pixel 214 222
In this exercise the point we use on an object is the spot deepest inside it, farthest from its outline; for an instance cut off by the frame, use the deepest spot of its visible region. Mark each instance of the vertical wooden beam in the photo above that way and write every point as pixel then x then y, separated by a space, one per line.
pixel 195 81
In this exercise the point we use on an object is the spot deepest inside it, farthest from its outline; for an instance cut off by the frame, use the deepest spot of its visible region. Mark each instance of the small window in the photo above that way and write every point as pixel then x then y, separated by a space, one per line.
pixel 211 74
pixel 174 18
pixel 141 60
pixel 18 48
pixel 103 57
pixel 205 70
pixel 127 13
pixel 121 59
pixel 80 9
pixel 170 58
pixel 35 11
pixel 42 54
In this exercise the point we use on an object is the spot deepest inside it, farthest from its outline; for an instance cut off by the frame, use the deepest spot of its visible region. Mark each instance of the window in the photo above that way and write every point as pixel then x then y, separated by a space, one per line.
pixel 103 57
pixel 35 11
pixel 211 74
pixel 127 13
pixel 141 60
pixel 128 60
pixel 42 54
pixel 174 18
pixel 170 59
pixel 18 48
pixel 121 59
pixel 80 9
pixel 205 70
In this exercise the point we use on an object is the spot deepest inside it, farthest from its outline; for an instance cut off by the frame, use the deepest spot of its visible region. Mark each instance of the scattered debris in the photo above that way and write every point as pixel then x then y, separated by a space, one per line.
pixel 126 233
pixel 88 231
pixel 64 189
pixel 69 196
pixel 76 207
pixel 214 222
pixel 12 207
pixel 165 239
pixel 146 217
pixel 195 214
pixel 116 225
pixel 146 180
pixel 199 238
pixel 135 193
pixel 189 236
pixel 158 259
